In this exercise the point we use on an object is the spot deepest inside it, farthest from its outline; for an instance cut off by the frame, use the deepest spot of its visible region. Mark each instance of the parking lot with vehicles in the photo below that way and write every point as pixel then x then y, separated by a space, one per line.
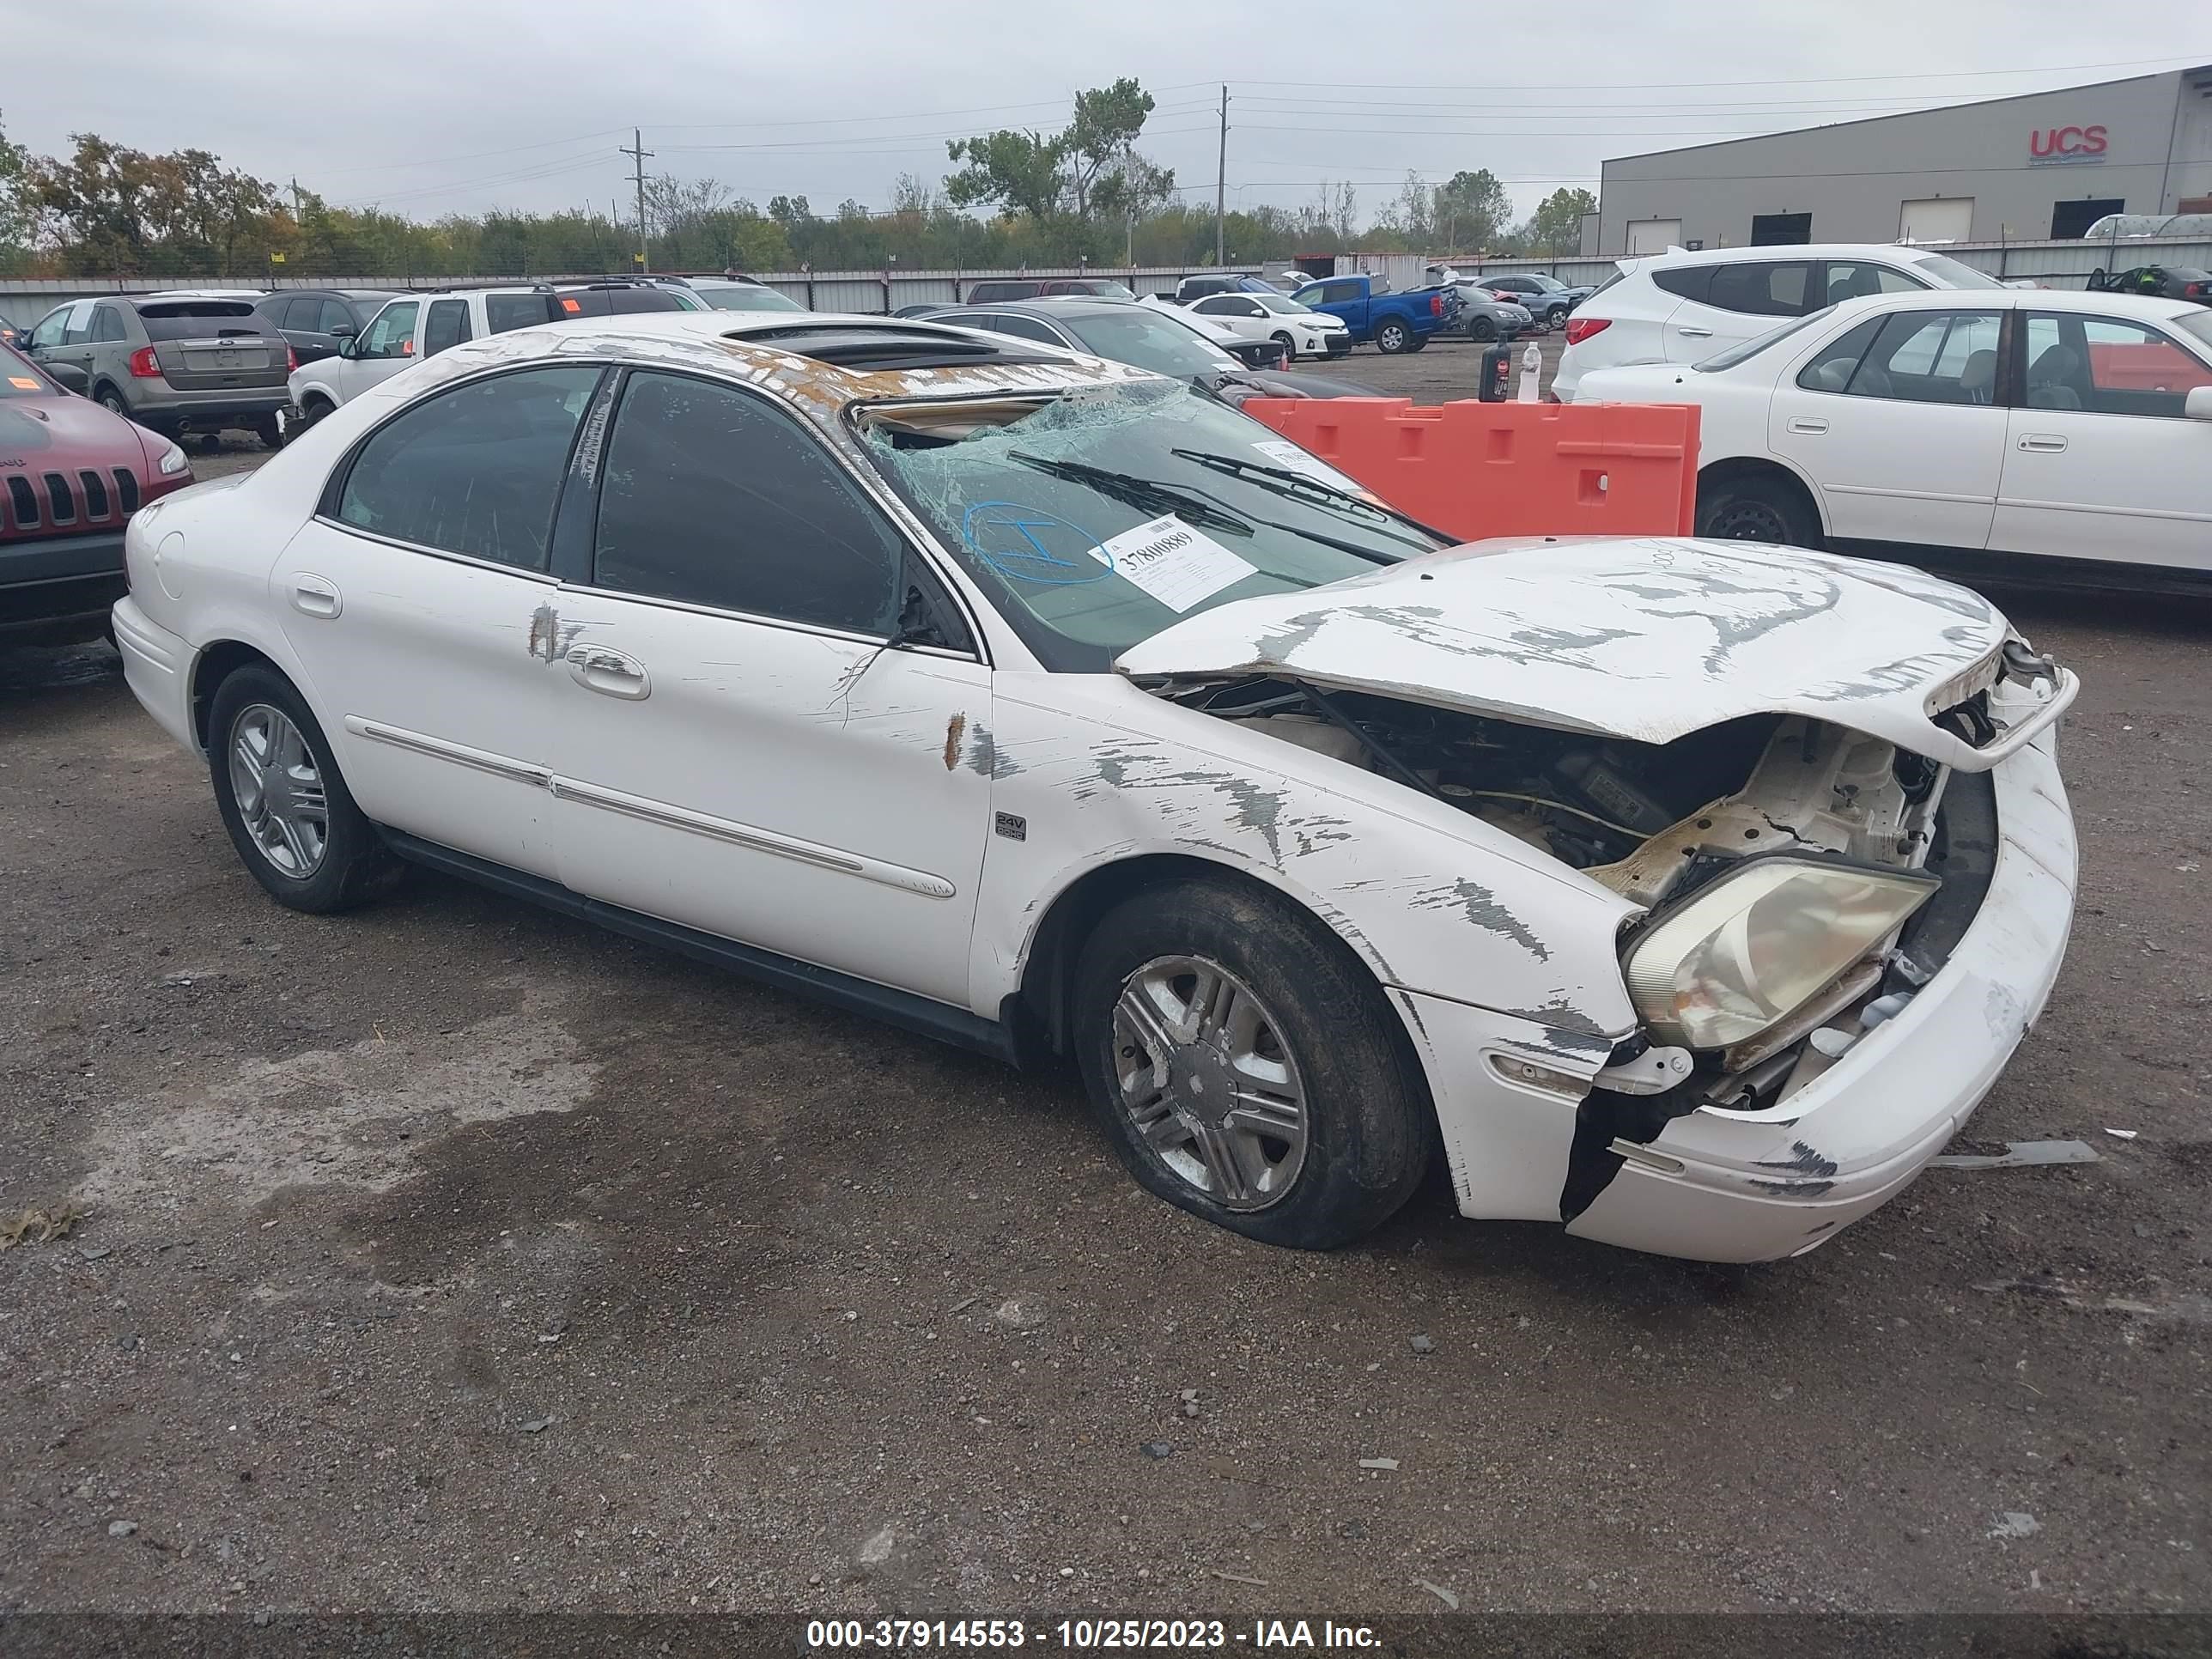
pixel 454 1244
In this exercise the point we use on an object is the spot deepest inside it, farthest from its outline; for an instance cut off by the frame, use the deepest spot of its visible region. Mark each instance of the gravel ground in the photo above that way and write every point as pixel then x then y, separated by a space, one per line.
pixel 452 1255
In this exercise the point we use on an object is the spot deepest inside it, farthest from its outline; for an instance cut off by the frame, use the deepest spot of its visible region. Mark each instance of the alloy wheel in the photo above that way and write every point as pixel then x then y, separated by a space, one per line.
pixel 1208 1083
pixel 279 790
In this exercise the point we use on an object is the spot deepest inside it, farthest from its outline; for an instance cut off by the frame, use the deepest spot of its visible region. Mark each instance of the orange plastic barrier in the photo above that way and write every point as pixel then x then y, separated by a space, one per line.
pixel 1477 470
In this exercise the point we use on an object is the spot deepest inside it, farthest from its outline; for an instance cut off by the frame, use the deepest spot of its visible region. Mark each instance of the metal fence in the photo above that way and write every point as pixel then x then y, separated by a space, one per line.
pixel 2056 265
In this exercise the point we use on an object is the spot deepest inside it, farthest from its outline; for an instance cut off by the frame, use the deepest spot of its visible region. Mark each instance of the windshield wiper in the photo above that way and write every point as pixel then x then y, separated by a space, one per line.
pixel 1194 506
pixel 1284 481
pixel 1148 492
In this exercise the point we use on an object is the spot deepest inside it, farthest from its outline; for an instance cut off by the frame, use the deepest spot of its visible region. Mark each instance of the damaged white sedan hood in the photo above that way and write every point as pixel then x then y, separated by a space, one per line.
pixel 1648 639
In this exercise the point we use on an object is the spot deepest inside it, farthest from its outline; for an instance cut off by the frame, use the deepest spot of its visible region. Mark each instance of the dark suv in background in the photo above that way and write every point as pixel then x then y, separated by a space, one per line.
pixel 312 321
pixel 176 363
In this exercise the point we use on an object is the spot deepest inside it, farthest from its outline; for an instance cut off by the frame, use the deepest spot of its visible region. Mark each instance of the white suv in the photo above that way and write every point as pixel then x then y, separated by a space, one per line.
pixel 1680 308
pixel 418 326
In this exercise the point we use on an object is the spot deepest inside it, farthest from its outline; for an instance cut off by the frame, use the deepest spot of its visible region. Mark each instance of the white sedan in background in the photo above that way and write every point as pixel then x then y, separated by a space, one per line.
pixel 1300 331
pixel 2058 436
pixel 1689 895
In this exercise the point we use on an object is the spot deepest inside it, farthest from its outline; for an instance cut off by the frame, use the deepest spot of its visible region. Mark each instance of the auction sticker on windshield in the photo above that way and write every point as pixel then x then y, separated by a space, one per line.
pixel 1290 457
pixel 1173 563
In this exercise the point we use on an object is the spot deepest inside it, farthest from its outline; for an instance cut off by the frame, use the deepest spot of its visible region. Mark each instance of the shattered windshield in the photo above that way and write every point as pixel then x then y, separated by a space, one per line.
pixel 1096 518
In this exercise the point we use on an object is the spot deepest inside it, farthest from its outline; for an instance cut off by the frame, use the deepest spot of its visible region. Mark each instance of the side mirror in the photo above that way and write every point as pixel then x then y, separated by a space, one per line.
pixel 344 331
pixel 349 346
pixel 74 379
pixel 2197 406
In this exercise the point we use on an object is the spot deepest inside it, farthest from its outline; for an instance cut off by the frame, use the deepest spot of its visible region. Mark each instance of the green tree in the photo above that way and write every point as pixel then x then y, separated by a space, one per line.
pixel 1556 227
pixel 1472 210
pixel 1103 135
pixel 17 219
pixel 1018 172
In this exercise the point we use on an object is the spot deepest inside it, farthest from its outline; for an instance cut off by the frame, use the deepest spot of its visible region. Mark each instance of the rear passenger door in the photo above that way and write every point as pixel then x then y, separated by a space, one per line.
pixel 418 601
pixel 1741 300
pixel 738 748
pixel 1897 422
pixel 445 324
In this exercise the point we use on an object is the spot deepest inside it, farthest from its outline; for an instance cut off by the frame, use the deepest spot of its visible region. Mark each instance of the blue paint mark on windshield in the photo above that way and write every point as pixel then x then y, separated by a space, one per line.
pixel 1028 545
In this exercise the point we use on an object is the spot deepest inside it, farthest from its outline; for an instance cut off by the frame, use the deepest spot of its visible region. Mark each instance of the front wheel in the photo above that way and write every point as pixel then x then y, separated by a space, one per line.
pixel 284 802
pixel 1246 1067
pixel 1393 336
pixel 1289 346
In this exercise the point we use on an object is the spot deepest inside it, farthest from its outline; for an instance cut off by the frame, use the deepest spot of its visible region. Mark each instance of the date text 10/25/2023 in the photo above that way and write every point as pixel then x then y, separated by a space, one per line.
pixel 1086 1635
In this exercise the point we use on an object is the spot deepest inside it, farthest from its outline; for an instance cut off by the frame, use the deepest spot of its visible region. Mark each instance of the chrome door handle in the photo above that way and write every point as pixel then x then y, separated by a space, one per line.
pixel 2043 443
pixel 314 596
pixel 609 672
pixel 1694 333
pixel 1806 423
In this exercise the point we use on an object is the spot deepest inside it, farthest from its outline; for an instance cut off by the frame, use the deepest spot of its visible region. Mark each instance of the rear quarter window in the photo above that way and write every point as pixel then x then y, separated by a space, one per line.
pixel 503 312
pixel 1689 283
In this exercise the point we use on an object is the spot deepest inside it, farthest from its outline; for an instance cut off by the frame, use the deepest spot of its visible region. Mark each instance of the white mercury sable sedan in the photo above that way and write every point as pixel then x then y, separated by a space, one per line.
pixel 1691 894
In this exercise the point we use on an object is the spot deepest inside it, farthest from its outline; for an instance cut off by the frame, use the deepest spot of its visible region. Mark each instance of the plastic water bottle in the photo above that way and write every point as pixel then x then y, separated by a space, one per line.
pixel 1532 369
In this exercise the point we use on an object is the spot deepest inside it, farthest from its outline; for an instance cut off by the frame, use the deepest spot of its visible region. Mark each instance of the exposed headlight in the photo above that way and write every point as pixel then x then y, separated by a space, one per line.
pixel 1755 946
pixel 172 462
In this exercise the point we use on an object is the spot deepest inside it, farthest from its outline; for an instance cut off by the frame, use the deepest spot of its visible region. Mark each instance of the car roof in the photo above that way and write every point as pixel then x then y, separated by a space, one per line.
pixel 1063 305
pixel 1713 256
pixel 2147 307
pixel 821 362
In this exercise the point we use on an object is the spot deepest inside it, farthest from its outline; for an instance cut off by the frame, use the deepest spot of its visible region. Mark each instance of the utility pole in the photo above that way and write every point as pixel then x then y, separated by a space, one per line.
pixel 637 152
pixel 1221 183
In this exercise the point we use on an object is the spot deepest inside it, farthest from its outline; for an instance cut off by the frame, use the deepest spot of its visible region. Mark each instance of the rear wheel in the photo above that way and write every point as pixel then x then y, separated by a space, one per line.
pixel 1246 1067
pixel 1556 317
pixel 1756 510
pixel 112 400
pixel 1482 328
pixel 269 430
pixel 284 802
pixel 1393 336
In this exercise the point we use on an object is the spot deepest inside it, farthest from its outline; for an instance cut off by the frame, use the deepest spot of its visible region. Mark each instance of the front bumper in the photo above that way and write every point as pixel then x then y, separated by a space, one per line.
pixel 1753 1186
pixel 1759 1186
pixel 59 586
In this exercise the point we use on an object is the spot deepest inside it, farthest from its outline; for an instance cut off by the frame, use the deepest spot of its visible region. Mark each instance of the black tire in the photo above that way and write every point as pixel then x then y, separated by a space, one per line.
pixel 1756 510
pixel 355 866
pixel 269 430
pixel 111 400
pixel 314 410
pixel 1482 328
pixel 1393 336
pixel 1555 317
pixel 1418 343
pixel 1370 1126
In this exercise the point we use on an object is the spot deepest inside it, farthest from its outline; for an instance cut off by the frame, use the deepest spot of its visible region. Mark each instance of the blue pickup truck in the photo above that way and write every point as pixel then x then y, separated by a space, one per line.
pixel 1393 322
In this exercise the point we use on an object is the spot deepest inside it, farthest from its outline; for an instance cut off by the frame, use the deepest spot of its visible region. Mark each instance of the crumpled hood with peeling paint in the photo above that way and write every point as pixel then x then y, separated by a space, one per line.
pixel 1645 638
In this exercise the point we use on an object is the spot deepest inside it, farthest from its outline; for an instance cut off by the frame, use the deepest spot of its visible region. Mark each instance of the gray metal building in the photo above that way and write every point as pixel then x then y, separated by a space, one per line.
pixel 2043 164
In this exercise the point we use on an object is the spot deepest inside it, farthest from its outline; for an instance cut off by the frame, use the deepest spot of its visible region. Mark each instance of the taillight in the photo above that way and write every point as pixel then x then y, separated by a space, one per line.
pixel 1581 328
pixel 291 359
pixel 1435 305
pixel 2196 290
pixel 143 366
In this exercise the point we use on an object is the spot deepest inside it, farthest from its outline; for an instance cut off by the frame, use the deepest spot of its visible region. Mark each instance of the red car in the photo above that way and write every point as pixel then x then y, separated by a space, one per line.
pixel 71 474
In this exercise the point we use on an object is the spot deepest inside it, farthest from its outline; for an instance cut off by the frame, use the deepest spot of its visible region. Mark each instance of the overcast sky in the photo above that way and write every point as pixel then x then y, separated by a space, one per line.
pixel 431 106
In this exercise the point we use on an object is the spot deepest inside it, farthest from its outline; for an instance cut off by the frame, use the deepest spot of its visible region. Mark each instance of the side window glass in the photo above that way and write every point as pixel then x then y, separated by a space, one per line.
pixel 1026 328
pixel 107 323
pixel 580 302
pixel 474 470
pixel 505 311
pixel 392 333
pixel 1831 369
pixel 329 316
pixel 2108 367
pixel 1856 279
pixel 1211 305
pixel 1762 288
pixel 1932 357
pixel 713 497
pixel 447 325
pixel 51 327
pixel 80 324
pixel 1691 282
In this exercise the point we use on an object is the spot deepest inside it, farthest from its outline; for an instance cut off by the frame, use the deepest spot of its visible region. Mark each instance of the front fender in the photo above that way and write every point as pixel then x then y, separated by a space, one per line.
pixel 1088 771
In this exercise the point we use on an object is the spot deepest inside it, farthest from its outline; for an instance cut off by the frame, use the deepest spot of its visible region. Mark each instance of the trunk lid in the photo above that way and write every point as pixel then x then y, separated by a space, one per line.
pixel 1647 639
